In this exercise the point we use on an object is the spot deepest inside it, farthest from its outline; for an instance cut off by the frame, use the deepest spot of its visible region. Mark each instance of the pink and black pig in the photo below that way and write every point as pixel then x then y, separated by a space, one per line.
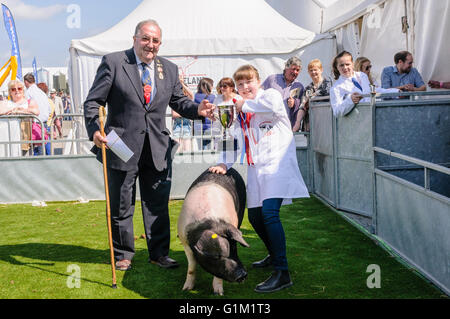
pixel 208 227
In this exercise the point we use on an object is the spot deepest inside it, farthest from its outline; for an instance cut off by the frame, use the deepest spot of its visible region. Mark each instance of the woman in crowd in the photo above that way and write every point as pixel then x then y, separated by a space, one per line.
pixel 318 87
pixel 349 87
pixel 204 91
pixel 17 104
pixel 363 64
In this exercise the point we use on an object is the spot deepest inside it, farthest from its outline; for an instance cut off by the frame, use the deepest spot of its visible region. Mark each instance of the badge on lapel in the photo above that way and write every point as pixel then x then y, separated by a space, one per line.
pixel 159 67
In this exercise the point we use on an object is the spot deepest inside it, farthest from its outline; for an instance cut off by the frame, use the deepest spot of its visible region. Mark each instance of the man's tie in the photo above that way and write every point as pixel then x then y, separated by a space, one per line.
pixel 357 84
pixel 146 84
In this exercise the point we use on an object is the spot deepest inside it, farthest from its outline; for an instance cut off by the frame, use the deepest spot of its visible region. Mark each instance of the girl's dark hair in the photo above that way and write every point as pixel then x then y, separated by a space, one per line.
pixel 334 63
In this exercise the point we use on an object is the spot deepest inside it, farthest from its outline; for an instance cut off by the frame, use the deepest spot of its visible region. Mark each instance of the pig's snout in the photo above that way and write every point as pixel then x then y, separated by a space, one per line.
pixel 241 275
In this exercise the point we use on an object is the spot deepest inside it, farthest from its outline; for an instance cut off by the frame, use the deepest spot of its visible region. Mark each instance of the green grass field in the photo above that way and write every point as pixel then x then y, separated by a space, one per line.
pixel 41 247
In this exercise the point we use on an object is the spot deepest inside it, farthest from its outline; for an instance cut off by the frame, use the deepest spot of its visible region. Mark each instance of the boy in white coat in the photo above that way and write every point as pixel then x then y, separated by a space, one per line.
pixel 273 177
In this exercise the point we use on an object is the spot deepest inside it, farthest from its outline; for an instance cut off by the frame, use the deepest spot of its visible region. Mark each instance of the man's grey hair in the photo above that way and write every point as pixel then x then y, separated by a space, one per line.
pixel 293 61
pixel 148 21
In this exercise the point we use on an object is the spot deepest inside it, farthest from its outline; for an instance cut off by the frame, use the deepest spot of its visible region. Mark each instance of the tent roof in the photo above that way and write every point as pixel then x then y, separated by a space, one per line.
pixel 205 27
pixel 342 12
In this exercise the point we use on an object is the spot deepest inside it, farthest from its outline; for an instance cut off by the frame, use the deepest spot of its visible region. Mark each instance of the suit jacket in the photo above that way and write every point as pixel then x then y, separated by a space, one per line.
pixel 117 84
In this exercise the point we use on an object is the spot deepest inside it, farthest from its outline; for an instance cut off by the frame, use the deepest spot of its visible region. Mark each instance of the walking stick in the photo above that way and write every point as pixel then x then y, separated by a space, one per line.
pixel 101 115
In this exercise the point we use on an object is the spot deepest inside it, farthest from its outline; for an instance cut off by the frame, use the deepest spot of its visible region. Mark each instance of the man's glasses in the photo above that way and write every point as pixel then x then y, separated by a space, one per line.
pixel 20 89
pixel 223 86
pixel 147 40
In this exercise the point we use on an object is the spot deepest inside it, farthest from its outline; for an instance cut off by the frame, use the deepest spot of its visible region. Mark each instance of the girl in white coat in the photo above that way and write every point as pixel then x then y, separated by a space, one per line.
pixel 273 176
pixel 347 91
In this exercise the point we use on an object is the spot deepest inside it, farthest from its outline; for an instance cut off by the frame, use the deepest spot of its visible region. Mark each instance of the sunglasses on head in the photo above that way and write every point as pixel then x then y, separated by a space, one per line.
pixel 17 89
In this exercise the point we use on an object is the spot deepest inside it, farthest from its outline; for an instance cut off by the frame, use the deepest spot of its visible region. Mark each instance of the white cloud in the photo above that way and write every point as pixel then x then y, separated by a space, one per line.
pixel 20 10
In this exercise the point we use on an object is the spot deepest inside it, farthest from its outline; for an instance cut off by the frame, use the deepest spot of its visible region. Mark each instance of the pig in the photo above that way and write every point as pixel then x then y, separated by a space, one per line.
pixel 208 227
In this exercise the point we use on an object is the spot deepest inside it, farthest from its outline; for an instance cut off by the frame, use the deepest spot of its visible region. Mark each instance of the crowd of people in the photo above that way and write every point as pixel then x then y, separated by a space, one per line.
pixel 351 80
pixel 31 98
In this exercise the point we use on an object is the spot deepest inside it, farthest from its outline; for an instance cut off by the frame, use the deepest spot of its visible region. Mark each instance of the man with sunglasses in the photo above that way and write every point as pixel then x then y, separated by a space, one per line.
pixel 35 93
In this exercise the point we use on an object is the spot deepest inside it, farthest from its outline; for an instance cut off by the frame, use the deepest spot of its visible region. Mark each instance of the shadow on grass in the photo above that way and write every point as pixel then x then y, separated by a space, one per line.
pixel 52 253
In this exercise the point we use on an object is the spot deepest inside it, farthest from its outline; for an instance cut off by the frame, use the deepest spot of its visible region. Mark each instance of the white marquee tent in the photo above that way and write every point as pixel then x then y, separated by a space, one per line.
pixel 378 29
pixel 205 38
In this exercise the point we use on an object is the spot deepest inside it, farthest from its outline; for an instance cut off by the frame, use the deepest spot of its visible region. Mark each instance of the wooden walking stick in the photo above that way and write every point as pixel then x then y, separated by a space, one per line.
pixel 101 115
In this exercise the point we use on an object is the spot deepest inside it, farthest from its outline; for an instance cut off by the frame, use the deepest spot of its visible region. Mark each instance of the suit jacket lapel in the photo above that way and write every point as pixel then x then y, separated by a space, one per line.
pixel 132 72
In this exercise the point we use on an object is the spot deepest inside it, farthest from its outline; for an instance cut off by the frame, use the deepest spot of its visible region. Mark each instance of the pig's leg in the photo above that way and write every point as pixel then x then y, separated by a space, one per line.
pixel 192 263
pixel 218 286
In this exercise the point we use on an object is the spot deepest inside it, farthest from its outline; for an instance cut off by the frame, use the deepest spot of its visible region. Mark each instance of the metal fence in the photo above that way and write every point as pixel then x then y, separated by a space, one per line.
pixel 388 161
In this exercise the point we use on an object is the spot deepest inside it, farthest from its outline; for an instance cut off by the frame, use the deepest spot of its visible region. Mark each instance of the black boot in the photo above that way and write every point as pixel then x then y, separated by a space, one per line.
pixel 266 262
pixel 279 279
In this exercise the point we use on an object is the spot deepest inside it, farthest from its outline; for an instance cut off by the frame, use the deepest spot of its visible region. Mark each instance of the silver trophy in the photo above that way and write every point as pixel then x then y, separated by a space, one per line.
pixel 226 115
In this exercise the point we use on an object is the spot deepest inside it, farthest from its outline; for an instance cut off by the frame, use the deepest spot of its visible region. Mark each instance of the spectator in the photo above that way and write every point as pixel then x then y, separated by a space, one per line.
pixel 439 85
pixel 182 126
pixel 318 87
pixel 18 104
pixel 59 110
pixel 349 87
pixel 363 64
pixel 41 99
pixel 290 88
pixel 204 92
pixel 402 75
pixel 67 106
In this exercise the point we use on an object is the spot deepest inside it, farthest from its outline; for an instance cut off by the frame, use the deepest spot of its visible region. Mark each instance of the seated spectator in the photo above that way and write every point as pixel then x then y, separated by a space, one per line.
pixel 363 64
pixel 318 87
pixel 290 88
pixel 349 87
pixel 402 75
pixel 439 84
pixel 204 91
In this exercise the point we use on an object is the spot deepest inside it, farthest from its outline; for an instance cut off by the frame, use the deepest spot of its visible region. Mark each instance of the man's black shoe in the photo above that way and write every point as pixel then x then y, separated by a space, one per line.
pixel 279 279
pixel 165 262
pixel 266 262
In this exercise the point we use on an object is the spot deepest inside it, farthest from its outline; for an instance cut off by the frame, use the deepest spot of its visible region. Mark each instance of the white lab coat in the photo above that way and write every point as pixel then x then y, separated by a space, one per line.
pixel 275 173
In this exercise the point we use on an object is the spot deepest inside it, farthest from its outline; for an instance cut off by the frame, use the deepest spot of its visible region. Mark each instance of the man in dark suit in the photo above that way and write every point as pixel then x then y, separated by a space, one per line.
pixel 137 86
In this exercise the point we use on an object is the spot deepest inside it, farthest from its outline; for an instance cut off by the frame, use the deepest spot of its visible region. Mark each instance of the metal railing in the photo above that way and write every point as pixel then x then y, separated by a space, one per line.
pixel 72 142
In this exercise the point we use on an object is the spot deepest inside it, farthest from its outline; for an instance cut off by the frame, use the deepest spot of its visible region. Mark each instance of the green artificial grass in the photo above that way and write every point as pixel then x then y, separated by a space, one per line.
pixel 328 258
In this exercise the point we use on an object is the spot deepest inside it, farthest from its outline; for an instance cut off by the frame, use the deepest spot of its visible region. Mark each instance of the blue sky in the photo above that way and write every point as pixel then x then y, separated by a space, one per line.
pixel 43 29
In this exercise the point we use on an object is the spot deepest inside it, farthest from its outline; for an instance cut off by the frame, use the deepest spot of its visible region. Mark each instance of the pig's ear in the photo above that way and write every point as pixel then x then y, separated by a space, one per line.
pixel 236 235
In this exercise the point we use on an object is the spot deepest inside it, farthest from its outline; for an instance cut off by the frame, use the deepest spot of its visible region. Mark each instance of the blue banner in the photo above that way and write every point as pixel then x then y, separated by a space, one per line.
pixel 11 30
pixel 35 70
